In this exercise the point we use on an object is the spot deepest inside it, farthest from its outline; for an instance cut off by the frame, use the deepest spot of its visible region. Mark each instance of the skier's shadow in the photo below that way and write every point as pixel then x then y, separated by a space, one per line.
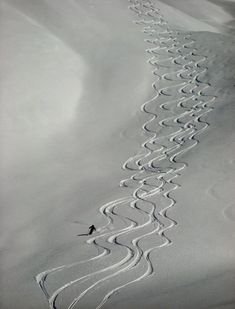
pixel 91 230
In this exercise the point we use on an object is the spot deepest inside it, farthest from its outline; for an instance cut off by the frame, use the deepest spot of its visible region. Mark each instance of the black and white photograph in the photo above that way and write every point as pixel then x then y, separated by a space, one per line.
pixel 117 154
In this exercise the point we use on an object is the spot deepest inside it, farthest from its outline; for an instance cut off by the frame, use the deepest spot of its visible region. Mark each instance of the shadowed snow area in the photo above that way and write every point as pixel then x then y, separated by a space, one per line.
pixel 120 114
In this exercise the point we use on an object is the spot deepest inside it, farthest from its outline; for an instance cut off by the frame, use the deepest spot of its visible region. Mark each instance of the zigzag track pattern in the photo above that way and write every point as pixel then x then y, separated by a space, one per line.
pixel 176 113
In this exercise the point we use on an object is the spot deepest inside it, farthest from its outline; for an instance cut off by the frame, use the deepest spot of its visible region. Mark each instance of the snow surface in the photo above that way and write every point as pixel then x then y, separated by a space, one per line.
pixel 74 77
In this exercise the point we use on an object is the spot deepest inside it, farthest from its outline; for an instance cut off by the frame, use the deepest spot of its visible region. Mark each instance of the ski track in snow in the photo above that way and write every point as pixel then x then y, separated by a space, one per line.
pixel 173 127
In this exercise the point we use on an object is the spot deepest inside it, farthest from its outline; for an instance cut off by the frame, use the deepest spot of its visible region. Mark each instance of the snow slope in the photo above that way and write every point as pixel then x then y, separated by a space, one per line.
pixel 75 77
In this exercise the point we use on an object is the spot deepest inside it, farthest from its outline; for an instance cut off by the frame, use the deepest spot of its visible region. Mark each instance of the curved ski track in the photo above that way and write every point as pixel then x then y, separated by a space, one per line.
pixel 176 113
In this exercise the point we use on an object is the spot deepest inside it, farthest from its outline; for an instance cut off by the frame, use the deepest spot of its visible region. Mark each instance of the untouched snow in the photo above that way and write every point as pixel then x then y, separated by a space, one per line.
pixel 74 76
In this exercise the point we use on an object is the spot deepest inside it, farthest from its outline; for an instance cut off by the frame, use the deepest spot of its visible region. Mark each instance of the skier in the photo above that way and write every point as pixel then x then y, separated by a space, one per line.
pixel 92 229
